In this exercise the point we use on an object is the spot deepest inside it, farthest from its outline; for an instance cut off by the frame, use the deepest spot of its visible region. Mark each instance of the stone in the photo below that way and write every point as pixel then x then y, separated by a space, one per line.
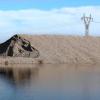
pixel 17 46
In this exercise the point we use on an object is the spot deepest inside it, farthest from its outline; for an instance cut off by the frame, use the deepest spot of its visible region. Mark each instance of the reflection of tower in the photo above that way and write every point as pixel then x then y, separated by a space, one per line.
pixel 87 21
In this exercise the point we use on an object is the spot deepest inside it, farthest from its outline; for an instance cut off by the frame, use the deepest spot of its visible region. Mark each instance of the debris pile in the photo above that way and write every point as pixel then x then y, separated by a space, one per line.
pixel 17 46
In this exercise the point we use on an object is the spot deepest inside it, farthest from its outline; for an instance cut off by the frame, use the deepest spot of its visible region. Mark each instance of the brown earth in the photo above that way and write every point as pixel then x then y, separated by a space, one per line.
pixel 63 49
pixel 66 49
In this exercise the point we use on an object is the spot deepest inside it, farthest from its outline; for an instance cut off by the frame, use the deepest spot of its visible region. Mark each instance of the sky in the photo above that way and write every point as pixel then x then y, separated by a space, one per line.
pixel 47 17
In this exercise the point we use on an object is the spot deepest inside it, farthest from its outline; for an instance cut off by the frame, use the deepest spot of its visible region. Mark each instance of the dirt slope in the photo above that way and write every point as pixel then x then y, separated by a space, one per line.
pixel 66 49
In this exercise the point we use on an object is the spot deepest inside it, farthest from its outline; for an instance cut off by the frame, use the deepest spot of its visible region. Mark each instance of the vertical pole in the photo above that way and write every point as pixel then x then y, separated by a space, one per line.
pixel 87 21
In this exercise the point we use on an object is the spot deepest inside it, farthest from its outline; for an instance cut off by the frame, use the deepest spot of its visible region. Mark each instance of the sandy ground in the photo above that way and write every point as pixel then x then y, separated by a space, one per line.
pixel 66 49
pixel 62 49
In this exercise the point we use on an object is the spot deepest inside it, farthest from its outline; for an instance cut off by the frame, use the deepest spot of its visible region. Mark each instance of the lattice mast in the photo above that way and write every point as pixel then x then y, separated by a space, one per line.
pixel 87 21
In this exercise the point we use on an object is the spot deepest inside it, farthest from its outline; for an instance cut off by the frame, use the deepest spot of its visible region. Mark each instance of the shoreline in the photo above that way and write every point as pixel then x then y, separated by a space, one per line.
pixel 30 61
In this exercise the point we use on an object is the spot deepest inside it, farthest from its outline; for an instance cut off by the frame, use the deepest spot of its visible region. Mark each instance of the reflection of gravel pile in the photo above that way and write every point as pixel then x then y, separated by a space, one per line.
pixel 17 46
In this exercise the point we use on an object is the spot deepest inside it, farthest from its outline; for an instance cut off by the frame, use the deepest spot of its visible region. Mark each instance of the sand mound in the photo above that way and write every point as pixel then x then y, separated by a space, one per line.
pixel 56 49
pixel 66 49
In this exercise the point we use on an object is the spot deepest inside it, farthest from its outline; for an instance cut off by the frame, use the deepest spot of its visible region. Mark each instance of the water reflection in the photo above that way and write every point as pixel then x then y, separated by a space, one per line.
pixel 51 82
pixel 19 75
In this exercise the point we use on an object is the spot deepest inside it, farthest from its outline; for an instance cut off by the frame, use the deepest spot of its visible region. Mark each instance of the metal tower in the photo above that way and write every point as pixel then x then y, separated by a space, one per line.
pixel 87 21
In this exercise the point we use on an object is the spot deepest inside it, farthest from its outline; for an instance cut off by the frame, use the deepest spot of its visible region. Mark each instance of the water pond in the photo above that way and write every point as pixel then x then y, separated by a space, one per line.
pixel 51 82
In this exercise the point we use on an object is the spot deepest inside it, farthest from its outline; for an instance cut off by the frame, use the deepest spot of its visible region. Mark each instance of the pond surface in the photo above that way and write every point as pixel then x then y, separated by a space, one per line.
pixel 52 82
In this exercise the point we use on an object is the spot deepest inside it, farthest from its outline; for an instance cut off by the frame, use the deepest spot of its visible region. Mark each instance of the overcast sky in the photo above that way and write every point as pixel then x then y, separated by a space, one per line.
pixel 47 17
